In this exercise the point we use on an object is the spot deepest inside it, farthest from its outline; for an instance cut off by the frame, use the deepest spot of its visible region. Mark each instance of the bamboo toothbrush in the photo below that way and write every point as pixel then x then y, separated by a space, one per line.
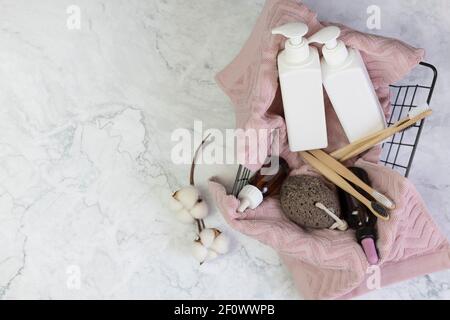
pixel 364 144
pixel 376 208
pixel 415 116
pixel 338 154
pixel 350 176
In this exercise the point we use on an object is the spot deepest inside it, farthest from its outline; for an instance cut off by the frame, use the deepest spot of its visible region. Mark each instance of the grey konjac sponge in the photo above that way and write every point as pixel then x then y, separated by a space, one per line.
pixel 298 197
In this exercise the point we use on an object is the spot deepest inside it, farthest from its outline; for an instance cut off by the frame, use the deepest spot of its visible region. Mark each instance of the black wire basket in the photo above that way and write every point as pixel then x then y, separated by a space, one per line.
pixel 400 149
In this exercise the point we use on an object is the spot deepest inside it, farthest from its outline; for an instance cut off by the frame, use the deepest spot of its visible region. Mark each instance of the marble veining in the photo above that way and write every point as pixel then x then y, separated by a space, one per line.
pixel 86 120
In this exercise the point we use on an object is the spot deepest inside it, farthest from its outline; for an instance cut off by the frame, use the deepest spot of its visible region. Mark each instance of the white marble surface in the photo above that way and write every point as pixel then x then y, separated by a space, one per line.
pixel 86 119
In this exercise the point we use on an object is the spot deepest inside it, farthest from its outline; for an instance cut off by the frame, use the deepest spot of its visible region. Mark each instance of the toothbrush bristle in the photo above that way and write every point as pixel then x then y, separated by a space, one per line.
pixel 382 211
pixel 385 201
pixel 420 109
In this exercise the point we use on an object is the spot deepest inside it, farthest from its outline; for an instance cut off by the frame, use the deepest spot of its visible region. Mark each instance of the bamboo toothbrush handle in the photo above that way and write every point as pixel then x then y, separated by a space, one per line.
pixel 355 148
pixel 338 154
pixel 384 134
pixel 369 144
pixel 338 180
pixel 341 170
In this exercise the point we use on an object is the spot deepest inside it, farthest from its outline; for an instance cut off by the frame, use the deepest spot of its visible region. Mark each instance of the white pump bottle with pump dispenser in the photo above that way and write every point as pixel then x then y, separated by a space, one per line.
pixel 348 86
pixel 301 89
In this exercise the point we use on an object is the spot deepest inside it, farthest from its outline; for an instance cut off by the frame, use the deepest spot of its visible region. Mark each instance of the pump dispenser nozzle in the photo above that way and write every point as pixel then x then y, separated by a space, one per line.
pixel 297 48
pixel 335 52
pixel 294 31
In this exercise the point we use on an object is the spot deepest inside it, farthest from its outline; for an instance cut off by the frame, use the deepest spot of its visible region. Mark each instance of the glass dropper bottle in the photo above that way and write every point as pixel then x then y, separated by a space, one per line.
pixel 265 183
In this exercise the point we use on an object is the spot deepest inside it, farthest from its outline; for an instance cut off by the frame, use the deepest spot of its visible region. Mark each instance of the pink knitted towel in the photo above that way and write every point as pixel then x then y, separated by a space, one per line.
pixel 328 264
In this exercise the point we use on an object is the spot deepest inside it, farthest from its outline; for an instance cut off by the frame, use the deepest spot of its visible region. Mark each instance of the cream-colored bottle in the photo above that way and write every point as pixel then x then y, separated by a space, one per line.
pixel 348 86
pixel 301 89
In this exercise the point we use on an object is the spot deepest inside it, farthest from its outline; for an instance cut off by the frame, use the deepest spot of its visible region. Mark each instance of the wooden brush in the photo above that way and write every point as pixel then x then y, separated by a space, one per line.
pixel 376 208
pixel 350 176
pixel 353 149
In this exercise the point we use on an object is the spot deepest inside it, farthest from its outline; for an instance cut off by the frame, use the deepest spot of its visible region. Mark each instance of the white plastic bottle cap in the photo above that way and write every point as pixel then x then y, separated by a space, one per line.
pixel 334 51
pixel 297 48
pixel 250 197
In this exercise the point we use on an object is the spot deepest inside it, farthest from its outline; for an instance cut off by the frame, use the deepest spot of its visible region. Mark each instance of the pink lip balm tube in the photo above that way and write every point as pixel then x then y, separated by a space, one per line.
pixel 370 250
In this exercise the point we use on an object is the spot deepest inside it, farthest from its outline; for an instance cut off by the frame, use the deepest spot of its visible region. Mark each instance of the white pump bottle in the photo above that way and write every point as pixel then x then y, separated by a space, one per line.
pixel 301 89
pixel 348 86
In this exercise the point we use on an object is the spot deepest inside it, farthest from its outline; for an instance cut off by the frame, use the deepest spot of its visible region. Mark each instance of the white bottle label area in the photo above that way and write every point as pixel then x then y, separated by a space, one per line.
pixel 354 99
pixel 303 104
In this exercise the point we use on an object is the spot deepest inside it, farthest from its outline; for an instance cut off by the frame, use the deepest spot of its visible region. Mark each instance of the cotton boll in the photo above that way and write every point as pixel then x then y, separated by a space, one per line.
pixel 221 244
pixel 184 216
pixel 175 205
pixel 199 252
pixel 200 210
pixel 207 237
pixel 188 196
pixel 211 255
pixel 213 242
